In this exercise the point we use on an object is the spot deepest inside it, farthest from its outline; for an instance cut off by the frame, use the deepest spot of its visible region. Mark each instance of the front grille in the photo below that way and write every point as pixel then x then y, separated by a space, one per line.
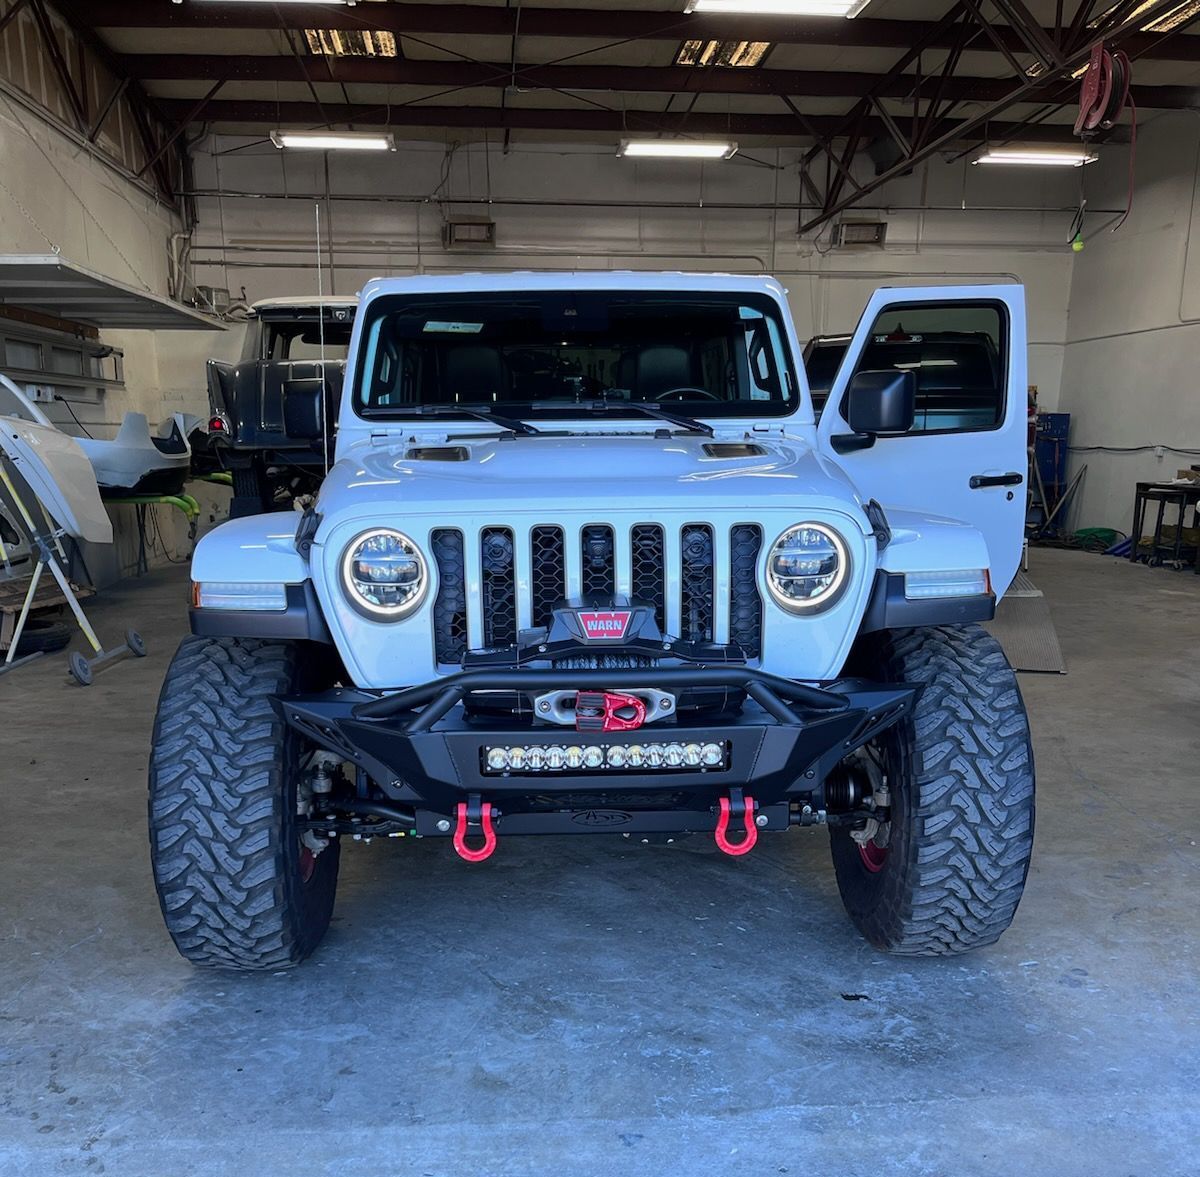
pixel 599 561
pixel 697 583
pixel 745 605
pixel 648 582
pixel 450 605
pixel 499 578
pixel 524 575
pixel 549 585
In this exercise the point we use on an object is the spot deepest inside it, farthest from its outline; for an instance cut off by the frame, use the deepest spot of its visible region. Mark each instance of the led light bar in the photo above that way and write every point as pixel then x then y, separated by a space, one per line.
pixel 334 140
pixel 677 149
pixel 845 8
pixel 258 598
pixel 541 758
pixel 1064 157
pixel 958 582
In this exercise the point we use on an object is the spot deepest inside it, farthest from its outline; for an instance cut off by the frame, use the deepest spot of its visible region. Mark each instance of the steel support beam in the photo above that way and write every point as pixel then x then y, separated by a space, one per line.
pixel 941 133
pixel 261 114
pixel 58 62
pixel 605 25
pixel 632 79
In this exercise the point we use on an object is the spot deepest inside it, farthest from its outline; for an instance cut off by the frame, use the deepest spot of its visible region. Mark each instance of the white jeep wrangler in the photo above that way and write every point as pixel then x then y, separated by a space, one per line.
pixel 586 563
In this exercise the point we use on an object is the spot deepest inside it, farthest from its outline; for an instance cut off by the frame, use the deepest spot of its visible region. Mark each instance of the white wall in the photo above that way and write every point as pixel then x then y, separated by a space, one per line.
pixel 1130 373
pixel 268 246
pixel 56 197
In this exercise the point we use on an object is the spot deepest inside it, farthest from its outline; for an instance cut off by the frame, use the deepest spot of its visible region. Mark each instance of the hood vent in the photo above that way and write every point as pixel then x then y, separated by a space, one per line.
pixel 437 453
pixel 733 449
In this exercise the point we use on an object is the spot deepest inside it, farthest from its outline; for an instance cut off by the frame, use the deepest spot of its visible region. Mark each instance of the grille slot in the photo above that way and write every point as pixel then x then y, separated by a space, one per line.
pixel 549 583
pixel 696 583
pixel 499 581
pixel 745 602
pixel 648 585
pixel 599 564
pixel 450 606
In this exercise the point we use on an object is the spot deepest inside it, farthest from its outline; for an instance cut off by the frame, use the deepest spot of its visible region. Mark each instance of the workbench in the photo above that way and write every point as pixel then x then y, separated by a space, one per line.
pixel 1181 496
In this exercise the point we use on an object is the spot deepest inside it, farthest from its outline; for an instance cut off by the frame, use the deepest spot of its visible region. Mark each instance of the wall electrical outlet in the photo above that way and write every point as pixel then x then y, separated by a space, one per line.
pixel 42 393
pixel 1158 451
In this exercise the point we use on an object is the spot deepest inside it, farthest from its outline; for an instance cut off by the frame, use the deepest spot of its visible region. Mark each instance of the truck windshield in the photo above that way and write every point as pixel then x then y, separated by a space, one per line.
pixel 550 353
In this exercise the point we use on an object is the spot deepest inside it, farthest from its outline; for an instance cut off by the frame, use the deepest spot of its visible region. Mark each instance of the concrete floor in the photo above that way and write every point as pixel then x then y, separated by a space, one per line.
pixel 585 1006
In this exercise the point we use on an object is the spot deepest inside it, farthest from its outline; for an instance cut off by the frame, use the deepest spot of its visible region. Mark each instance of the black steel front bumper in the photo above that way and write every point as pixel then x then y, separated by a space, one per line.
pixel 424 749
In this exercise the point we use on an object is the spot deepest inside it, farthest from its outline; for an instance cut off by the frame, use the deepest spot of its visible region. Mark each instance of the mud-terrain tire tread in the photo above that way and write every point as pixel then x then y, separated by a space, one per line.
pixel 223 842
pixel 960 849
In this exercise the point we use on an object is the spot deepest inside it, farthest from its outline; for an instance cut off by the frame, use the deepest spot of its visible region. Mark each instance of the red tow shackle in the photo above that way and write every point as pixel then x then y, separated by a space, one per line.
pixel 460 833
pixel 737 806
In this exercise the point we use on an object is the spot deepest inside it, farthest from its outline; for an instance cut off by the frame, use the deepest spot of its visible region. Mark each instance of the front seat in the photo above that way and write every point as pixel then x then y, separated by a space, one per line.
pixel 659 368
pixel 474 373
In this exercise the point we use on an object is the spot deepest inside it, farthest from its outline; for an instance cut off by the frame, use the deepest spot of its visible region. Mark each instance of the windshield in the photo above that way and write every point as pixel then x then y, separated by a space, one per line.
pixel 551 353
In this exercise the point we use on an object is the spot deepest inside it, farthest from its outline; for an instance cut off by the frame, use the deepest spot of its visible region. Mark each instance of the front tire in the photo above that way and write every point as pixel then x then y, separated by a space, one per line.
pixel 236 887
pixel 960 776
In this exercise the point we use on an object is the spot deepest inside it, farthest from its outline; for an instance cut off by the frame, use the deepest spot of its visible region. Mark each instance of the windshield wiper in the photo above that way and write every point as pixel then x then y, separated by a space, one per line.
pixel 690 424
pixel 478 412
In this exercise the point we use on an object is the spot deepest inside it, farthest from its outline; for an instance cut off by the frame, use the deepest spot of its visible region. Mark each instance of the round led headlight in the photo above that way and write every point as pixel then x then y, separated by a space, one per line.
pixel 807 568
pixel 384 574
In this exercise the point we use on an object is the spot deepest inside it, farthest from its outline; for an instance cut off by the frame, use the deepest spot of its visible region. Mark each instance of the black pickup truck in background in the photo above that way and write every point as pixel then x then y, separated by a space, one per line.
pixel 266 425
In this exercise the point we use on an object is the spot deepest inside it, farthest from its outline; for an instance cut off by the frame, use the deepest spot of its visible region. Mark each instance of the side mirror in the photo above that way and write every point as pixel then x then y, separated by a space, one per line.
pixel 302 407
pixel 881 402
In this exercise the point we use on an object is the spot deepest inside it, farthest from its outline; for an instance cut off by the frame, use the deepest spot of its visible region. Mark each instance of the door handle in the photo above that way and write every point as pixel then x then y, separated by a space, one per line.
pixel 981 480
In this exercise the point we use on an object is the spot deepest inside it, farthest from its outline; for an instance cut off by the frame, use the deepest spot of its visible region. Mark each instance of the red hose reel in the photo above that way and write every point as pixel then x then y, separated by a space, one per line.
pixel 1104 91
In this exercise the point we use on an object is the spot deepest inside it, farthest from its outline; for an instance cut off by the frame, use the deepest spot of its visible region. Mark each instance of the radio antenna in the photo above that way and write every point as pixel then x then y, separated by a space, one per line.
pixel 321 335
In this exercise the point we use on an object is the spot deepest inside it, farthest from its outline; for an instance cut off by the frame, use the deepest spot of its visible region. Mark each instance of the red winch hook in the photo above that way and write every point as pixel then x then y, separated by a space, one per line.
pixel 744 804
pixel 460 833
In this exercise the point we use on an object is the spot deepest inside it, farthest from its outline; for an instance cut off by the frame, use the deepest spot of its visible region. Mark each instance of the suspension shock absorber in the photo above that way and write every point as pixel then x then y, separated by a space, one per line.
pixel 846 789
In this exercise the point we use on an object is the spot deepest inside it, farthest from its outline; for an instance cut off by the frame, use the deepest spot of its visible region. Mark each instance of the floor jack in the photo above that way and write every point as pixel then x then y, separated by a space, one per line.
pixel 47 545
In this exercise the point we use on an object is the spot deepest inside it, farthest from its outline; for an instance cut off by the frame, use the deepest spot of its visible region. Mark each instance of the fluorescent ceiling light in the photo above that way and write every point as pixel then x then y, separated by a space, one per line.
pixel 846 8
pixel 677 148
pixel 1066 157
pixel 334 140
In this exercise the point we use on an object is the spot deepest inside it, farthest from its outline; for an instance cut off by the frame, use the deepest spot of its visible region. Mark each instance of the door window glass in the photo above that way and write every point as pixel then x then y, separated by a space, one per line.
pixel 956 353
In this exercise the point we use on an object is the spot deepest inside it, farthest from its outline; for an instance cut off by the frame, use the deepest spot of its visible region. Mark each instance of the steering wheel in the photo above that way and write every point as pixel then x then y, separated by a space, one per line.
pixel 687 392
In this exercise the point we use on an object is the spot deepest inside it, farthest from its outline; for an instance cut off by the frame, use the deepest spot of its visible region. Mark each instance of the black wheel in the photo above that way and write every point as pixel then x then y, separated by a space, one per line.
pixel 238 887
pixel 42 637
pixel 80 668
pixel 134 641
pixel 946 873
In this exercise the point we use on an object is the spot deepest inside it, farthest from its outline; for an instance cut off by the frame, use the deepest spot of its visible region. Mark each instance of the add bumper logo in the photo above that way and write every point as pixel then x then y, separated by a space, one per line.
pixel 608 624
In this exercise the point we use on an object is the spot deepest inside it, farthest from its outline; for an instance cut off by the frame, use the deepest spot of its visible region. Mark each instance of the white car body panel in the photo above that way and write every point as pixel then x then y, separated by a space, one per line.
pixel 59 474
pixel 932 471
pixel 258 549
pixel 120 463
pixel 129 457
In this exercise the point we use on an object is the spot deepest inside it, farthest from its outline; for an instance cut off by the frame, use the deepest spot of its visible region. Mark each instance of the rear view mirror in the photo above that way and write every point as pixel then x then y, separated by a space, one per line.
pixel 881 402
pixel 302 407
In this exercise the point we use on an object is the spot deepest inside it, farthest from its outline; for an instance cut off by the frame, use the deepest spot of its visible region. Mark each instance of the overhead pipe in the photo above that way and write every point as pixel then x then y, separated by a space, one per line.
pixel 694 205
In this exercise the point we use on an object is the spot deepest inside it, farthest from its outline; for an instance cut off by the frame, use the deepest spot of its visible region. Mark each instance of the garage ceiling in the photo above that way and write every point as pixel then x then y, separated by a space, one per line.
pixel 905 79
